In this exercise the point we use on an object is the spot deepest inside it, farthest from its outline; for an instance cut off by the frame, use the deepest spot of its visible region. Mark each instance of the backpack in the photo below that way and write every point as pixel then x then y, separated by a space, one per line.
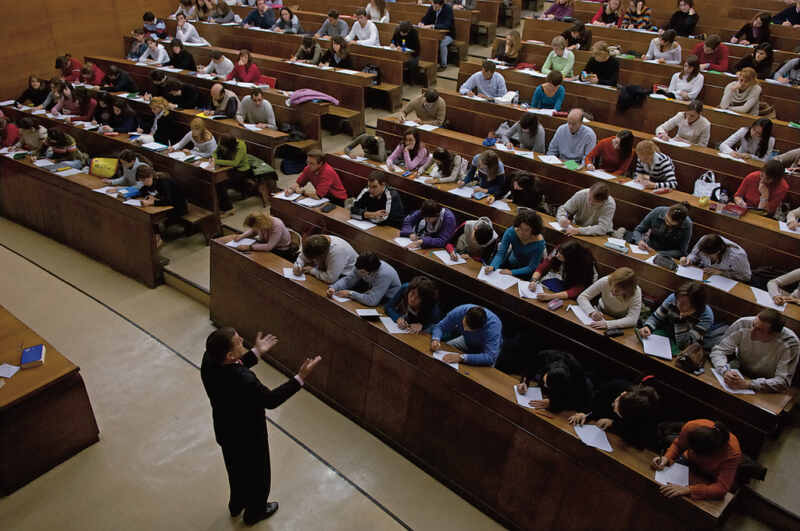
pixel 292 166
pixel 373 69
pixel 293 130
pixel 705 185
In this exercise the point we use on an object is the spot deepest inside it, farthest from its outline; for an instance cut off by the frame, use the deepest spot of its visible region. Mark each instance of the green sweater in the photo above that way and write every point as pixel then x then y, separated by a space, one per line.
pixel 562 63
pixel 240 161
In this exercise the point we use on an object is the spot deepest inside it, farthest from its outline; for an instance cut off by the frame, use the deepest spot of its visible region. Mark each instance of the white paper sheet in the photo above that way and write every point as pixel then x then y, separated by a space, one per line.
pixel 8 370
pixel 410 123
pixel 556 226
pixel 526 293
pixel 7 102
pixel 154 146
pixel 391 326
pixel 339 299
pixel 67 173
pixel 785 228
pixel 286 196
pixel 720 282
pixel 657 346
pixel 178 155
pixel 765 299
pixel 675 474
pixel 43 162
pixel 580 314
pixel 288 272
pixel 105 189
pixel 428 127
pixel 464 191
pixel 722 383
pixel 312 203
pixel 501 205
pixel 619 242
pixel 243 241
pixel 727 156
pixel 361 224
pixel 634 184
pixel 439 354
pixel 533 393
pixel 444 256
pixel 402 241
pixel 593 436
pixel 496 279
pixel 367 312
pixel 547 112
pixel 251 127
pixel 638 250
pixel 692 272
pixel 172 68
pixel 133 202
pixel 600 174
pixel 550 159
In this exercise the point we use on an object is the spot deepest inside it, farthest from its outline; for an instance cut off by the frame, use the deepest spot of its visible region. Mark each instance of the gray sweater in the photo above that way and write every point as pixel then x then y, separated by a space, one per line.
pixel 775 286
pixel 524 139
pixel 340 261
pixel 592 220
pixel 733 263
pixel 250 113
pixel 359 141
pixel 340 29
pixel 128 177
pixel 383 285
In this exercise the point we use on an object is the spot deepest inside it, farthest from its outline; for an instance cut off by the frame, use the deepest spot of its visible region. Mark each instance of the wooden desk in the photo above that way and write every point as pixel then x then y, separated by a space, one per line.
pixel 390 385
pixel 67 210
pixel 45 413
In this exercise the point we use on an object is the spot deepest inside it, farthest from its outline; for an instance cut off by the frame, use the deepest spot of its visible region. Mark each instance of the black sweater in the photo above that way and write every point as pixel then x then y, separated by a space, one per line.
pixel 683 23
pixel 763 69
pixel 329 58
pixel 607 72
pixel 166 193
pixel 584 40
pixel 168 131
pixel 578 394
pixel 187 99
pixel 183 60
pixel 411 41
pixel 640 434
pixel 389 200
pixel 34 96
pixel 124 83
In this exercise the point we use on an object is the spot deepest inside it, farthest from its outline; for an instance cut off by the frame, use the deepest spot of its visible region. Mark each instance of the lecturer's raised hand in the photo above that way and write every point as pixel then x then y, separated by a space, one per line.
pixel 307 367
pixel 264 343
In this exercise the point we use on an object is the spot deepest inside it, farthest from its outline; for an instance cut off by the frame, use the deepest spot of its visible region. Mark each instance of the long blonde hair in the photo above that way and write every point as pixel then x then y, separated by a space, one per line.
pixel 200 132
pixel 159 103
pixel 625 279
pixel 516 44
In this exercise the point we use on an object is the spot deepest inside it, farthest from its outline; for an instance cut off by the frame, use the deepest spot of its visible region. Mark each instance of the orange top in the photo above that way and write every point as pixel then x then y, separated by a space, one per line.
pixel 721 465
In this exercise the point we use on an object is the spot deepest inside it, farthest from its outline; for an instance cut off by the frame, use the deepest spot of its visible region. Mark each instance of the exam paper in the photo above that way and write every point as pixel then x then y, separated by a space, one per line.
pixel 243 241
pixel 286 196
pixel 424 179
pixel 133 202
pixel 695 273
pixel 556 226
pixel 720 282
pixel 501 205
pixel 444 256
pixel 550 159
pixel 785 228
pixel 657 346
pixel 439 354
pixel 402 241
pixel 312 203
pixel 361 224
pixel 722 383
pixel 464 191
pixel 428 127
pixel 496 279
pixel 638 250
pixel 765 299
pixel 580 314
pixel 339 299
pixel 533 393
pixel 634 184
pixel 67 173
pixel 43 162
pixel 367 312
pixel 593 436
pixel 600 174
pixel 288 272
pixel 391 326
pixel 526 293
pixel 7 370
pixel 675 474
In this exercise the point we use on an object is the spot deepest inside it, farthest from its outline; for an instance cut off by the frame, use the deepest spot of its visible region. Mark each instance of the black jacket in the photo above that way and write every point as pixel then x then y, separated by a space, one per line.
pixel 168 130
pixel 329 58
pixel 187 99
pixel 389 200
pixel 238 399
pixel 763 69
pixel 411 41
pixel 124 83
pixel 640 434
pixel 167 193
pixel 183 60
pixel 683 23
pixel 35 97
pixel 577 395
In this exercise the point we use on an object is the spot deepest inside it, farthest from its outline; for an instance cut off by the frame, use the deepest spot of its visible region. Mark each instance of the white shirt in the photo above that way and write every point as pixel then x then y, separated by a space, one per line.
pixel 222 69
pixel 366 35
pixel 188 35
pixel 374 15
pixel 692 88
pixel 739 144
pixel 159 55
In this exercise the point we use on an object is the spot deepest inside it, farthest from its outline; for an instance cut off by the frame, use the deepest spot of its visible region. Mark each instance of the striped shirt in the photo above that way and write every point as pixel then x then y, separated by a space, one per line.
pixel 685 330
pixel 661 172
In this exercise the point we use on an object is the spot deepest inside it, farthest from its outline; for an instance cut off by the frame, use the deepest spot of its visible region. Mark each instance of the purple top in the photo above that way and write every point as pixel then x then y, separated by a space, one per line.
pixel 411 164
pixel 559 10
pixel 436 236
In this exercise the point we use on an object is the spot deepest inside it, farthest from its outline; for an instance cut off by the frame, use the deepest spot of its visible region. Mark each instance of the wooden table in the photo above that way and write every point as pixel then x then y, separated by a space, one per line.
pixel 457 425
pixel 45 413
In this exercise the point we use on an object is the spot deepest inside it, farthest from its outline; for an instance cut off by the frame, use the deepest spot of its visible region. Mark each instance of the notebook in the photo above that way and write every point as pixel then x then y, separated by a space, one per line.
pixel 32 356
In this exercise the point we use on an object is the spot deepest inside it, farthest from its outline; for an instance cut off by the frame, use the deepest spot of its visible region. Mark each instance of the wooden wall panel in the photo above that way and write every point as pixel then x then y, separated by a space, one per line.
pixel 34 32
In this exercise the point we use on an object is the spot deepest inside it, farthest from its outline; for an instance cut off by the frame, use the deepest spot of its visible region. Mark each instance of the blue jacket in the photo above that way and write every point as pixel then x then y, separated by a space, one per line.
pixel 483 346
pixel 256 19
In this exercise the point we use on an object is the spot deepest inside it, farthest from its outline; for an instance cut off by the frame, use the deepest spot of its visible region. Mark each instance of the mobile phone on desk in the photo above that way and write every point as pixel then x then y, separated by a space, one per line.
pixel 328 207
pixel 479 195
pixel 614 332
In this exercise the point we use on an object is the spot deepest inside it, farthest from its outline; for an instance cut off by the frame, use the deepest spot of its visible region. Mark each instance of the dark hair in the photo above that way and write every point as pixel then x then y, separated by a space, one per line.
pixel 530 190
pixel 766 132
pixel 370 145
pixel 599 191
pixel 555 77
pixel 227 146
pixel 438 2
pixel 694 64
pixel 152 39
pixel 158 76
pixel 148 16
pixel 529 122
pixel 26 123
pixel 219 343
pixel 765 47
pixel 256 91
pixel 430 208
pixel 712 244
pixel 689 3
pixel 668 36
pixel 705 440
pixel 638 402
pixel 488 66
pixel 287 9
pixel 475 317
pixel 413 131
pixel 696 106
pixel 529 217
pixel 361 12
pixel 492 163
pixel 181 13
pixel 773 170
pixel 431 95
pixel 316 246
pixel 483 233
pixel 578 265
pixel 308 41
pixel 427 292
pixel 578 27
pixel 315 154
pixel 444 159
pixel 678 212
pixel 82 96
pixel 57 137
pixel 333 14
pixel 625 143
pixel 343 49
pixel 216 54
pixel 774 318
pixel 128 155
pixel 62 61
pixel 368 262
pixel 176 43
pixel 712 41
pixel 144 171
pixel 377 176
pixel 138 31
pixel 558 380
pixel 404 26
pixel 173 85
pixel 245 51
pixel 696 294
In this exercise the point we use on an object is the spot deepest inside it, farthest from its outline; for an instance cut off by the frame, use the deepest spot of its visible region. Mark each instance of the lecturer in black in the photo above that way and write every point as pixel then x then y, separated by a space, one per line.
pixel 238 400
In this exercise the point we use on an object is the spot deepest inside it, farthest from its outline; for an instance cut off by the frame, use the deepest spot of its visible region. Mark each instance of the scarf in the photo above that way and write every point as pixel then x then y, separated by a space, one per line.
pixel 424 228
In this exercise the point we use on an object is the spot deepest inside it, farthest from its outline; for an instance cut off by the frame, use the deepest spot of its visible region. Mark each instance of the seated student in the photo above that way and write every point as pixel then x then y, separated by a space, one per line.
pixel 138 46
pixel 287 22
pixel 180 57
pixel 589 212
pixel 684 20
pixel 410 154
pixel 664 49
pixel 711 450
pixel 87 105
pixel 415 306
pixel 490 174
pixel 373 147
pixel 31 136
pixel 363 30
pixel 611 13
pixel 158 85
pixel 754 142
pixel 507 49
pixel 219 65
pixel 429 107
pixel 271 235
pixel 522 247
pixel 653 169
pixel 572 264
pixel 187 33
pixel 255 109
pixel 66 103
pixel 309 51
pixel 526 191
pixel 602 68
pixel 61 147
pixel 377 12
pixel 527 133
pixel 154 27
pixel 205 9
pixel 92 75
pixel 68 68
pixel 370 283
pixel 754 32
pixel 789 16
pixel 117 80
pixel 578 37
pixel 338 55
pixel 9 133
pixel 789 72
pixel 486 83
pixel 573 140
pixel 440 16
pixel 261 17
pixel 792 278
pixel 550 94
pixel 560 9
pixel 203 141
pixel 559 59
pixel 155 54
pixel 325 257
pixel 691 127
pixel 563 383
pixel 222 14
pixel 665 230
pixel 764 189
pixel 157 189
pixel 181 95
pixel 637 16
pixel 186 8
pixel 53 94
pixel 102 113
pixel 406 37
pixel 712 54
pixel 476 238
pixel 129 163
pixel 619 296
pixel 123 118
pixel 613 154
pixel 333 26
pixel 231 152
pixel 161 126
pixel 685 85
pixel 378 202
pixel 445 167
pixel 474 330
pixel 245 69
pixel 431 226
pixel 627 409
pixel 759 60
pixel 319 180
pixel 35 94
pixel 684 316
pixel 742 96
pixel 719 256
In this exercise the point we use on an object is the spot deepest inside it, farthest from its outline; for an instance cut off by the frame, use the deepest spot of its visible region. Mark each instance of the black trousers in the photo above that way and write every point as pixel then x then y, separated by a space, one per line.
pixel 248 475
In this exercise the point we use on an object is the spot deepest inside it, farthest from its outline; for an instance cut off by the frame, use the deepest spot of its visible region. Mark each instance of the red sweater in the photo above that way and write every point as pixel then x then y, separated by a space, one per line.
pixel 748 191
pixel 717 60
pixel 611 158
pixel 326 181
pixel 72 72
pixel 247 74
pixel 97 76
pixel 720 466
pixel 10 136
